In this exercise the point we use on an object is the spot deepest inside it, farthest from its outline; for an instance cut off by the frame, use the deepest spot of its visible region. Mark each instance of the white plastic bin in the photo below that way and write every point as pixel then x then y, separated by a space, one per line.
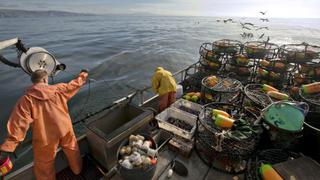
pixel 163 123
pixel 188 105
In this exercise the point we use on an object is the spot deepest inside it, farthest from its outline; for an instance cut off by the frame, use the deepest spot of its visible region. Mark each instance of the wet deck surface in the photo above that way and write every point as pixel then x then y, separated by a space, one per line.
pixel 196 168
pixel 89 171
pixel 301 168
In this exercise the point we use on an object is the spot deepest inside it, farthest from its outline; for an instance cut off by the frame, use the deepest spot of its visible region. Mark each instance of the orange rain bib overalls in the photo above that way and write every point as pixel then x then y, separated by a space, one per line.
pixel 44 107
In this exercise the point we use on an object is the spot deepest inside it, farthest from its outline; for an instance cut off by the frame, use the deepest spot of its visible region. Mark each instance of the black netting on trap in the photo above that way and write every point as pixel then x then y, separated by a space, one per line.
pixel 307 73
pixel 241 65
pixel 299 53
pixel 227 150
pixel 313 100
pixel 275 79
pixel 268 156
pixel 241 60
pixel 277 65
pixel 255 96
pixel 227 46
pixel 224 90
pixel 193 78
pixel 207 52
pixel 260 50
pixel 212 66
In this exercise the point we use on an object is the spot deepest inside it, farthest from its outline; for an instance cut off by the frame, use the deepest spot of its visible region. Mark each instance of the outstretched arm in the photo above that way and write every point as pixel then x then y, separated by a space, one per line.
pixel 71 88
pixel 18 125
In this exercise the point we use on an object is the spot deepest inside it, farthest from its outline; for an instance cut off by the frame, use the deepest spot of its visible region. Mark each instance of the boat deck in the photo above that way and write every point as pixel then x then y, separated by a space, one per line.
pixel 196 168
pixel 298 169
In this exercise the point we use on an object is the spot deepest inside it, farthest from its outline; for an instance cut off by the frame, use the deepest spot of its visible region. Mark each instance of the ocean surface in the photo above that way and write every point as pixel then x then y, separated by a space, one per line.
pixel 122 52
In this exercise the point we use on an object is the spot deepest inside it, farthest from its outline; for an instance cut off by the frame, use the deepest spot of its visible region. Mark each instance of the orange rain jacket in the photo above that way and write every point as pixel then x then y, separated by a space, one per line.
pixel 45 108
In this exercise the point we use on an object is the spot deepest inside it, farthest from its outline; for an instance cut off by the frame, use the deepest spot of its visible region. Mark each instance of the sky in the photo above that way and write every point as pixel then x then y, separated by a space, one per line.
pixel 244 8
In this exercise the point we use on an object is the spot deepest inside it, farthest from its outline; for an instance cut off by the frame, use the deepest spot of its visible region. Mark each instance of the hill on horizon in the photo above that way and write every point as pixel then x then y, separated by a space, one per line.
pixel 4 13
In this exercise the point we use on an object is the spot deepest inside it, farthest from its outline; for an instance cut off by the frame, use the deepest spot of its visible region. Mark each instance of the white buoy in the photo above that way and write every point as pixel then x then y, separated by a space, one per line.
pixel 170 173
pixel 179 92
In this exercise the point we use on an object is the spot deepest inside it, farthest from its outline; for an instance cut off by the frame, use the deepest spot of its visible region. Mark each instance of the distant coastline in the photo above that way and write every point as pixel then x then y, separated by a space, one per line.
pixel 7 13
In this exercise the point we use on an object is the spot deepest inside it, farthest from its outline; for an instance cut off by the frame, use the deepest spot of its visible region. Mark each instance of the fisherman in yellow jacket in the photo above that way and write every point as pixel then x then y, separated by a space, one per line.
pixel 164 84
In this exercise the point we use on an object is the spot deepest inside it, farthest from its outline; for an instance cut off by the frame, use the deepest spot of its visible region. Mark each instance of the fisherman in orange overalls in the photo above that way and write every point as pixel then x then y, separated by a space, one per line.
pixel 45 108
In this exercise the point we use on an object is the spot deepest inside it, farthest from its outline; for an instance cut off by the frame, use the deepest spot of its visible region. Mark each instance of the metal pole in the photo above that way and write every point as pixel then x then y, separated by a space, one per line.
pixel 7 43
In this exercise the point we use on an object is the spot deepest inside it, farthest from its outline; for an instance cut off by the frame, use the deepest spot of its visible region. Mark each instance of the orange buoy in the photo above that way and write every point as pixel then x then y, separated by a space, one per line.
pixel 267 88
pixel 311 88
pixel 264 63
pixel 262 72
pixel 223 121
pixel 216 112
pixel 268 173
pixel 278 95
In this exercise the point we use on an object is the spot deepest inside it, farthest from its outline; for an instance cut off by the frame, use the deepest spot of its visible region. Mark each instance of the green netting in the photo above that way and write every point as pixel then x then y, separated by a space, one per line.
pixel 284 116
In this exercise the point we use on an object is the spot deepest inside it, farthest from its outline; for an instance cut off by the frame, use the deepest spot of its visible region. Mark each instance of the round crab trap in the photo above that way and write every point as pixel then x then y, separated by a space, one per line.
pixel 241 74
pixel 268 156
pixel 299 53
pixel 241 60
pixel 260 50
pixel 227 46
pixel 210 65
pixel 273 78
pixel 207 52
pixel 220 89
pixel 193 78
pixel 283 122
pixel 255 96
pixel 227 149
pixel 276 65
pixel 310 70
pixel 313 99
pixel 300 78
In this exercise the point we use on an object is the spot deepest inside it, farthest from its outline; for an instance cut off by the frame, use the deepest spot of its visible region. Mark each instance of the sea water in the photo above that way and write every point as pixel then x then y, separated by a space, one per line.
pixel 122 52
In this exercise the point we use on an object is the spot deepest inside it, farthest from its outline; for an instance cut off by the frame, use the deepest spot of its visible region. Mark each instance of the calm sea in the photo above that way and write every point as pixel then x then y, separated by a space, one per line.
pixel 122 51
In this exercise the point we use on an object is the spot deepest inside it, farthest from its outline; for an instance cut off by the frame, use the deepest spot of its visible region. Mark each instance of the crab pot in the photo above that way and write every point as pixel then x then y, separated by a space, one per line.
pixel 208 52
pixel 241 73
pixel 241 60
pixel 313 100
pixel 226 149
pixel 308 71
pixel 211 65
pixel 283 123
pixel 277 65
pixel 271 78
pixel 226 90
pixel 255 97
pixel 260 50
pixel 192 81
pixel 299 53
pixel 227 46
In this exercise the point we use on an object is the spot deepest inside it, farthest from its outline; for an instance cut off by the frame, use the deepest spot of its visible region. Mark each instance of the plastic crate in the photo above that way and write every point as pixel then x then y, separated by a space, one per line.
pixel 190 119
pixel 182 103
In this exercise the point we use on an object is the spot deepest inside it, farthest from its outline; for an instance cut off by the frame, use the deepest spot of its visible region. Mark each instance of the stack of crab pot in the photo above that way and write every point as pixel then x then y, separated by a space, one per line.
pixel 304 59
pixel 227 136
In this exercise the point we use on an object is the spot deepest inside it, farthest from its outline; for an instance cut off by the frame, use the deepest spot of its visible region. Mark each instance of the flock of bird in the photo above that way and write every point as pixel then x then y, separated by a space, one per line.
pixel 249 26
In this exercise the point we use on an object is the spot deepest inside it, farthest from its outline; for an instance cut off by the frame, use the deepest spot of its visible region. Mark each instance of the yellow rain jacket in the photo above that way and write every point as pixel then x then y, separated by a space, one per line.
pixel 163 82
